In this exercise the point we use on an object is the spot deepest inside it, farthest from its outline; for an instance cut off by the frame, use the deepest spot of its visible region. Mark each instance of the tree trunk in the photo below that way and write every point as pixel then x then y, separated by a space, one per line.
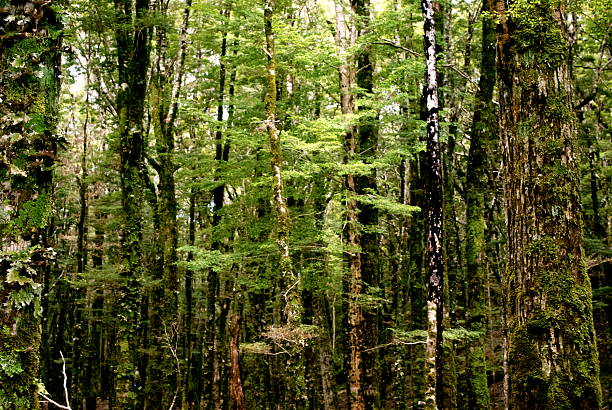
pixel 133 64
pixel 433 347
pixel 236 391
pixel 482 136
pixel 165 89
pixel 346 35
pixel 551 341
pixel 28 113
pixel 290 290
pixel 367 140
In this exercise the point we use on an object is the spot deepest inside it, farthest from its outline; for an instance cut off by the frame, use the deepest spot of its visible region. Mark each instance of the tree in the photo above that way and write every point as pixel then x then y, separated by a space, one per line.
pixel 482 137
pixel 552 349
pixel 133 51
pixel 30 59
pixel 346 36
pixel 435 277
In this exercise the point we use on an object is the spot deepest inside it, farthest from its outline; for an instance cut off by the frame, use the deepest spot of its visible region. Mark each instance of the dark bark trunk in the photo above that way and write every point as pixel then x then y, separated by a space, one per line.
pixel 435 277
pixel 236 391
pixel 132 63
pixel 366 141
pixel 482 137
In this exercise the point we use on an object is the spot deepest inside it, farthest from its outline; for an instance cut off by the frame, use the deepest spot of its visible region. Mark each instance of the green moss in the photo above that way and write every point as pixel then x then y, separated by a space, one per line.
pixel 559 108
pixel 537 35
pixel 526 373
pixel 34 213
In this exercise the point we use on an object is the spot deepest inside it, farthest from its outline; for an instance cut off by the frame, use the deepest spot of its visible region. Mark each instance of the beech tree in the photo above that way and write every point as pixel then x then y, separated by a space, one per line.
pixel 552 348
pixel 232 206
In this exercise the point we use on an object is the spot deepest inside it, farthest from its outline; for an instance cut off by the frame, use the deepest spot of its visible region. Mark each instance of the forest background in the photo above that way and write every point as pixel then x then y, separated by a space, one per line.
pixel 227 205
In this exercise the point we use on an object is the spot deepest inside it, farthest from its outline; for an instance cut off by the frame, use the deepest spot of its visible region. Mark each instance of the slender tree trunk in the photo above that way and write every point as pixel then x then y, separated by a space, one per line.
pixel 236 391
pixel 366 146
pixel 346 34
pixel 551 340
pixel 133 63
pixel 188 318
pixel 288 309
pixel 289 288
pixel 482 135
pixel 165 90
pixel 433 347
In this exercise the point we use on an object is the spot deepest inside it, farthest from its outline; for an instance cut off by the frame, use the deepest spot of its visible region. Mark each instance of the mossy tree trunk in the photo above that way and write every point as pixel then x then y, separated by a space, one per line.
pixel 133 50
pixel 435 277
pixel 552 351
pixel 29 89
pixel 165 89
pixel 482 136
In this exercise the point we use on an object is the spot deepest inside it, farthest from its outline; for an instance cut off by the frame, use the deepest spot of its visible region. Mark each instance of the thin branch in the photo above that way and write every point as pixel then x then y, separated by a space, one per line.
pixel 285 293
pixel 173 350
pixel 395 342
pixel 462 74
pixel 387 42
pixel 53 402
pixel 591 263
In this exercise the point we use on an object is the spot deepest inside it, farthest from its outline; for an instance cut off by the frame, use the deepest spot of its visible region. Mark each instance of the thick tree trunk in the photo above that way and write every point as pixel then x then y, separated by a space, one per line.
pixel 482 136
pixel 551 341
pixel 28 112
pixel 433 347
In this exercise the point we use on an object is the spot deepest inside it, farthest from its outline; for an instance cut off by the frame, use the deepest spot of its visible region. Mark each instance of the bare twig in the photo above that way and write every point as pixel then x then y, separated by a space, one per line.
pixel 50 400
pixel 173 349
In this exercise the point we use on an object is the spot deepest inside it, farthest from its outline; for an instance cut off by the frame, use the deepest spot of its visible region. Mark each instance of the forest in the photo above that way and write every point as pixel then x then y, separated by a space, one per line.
pixel 305 204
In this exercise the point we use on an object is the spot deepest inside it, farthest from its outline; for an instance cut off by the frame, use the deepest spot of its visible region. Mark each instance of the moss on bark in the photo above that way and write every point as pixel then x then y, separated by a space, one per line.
pixel 552 351
pixel 29 84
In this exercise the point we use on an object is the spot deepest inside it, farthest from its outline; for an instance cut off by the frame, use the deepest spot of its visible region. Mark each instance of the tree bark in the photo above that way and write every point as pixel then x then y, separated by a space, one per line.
pixel 133 51
pixel 367 141
pixel 433 347
pixel 165 89
pixel 482 136
pixel 289 288
pixel 346 35
pixel 28 118
pixel 236 391
pixel 551 340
